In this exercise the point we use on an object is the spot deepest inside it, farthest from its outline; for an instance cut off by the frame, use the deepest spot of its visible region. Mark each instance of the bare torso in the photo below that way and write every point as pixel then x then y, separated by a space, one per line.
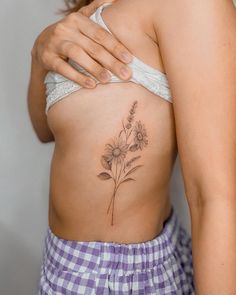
pixel 93 171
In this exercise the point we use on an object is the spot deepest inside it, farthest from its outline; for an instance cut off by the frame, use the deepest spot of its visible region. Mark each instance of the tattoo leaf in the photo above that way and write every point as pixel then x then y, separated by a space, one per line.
pixel 130 162
pixel 105 163
pixel 104 176
pixel 133 148
pixel 127 179
pixel 133 170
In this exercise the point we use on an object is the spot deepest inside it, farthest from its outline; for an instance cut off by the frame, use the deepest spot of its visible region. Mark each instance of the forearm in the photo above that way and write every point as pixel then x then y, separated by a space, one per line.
pixel 214 246
pixel 37 102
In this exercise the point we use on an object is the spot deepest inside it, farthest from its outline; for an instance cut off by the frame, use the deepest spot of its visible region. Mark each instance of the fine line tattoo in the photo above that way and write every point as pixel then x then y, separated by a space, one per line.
pixel 131 138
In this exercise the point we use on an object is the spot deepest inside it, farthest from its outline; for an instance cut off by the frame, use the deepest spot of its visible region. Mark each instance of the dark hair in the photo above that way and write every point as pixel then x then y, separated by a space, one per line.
pixel 74 5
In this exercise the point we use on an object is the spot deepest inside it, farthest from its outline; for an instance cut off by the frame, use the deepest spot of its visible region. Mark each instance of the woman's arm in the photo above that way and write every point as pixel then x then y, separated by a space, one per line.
pixel 37 102
pixel 197 40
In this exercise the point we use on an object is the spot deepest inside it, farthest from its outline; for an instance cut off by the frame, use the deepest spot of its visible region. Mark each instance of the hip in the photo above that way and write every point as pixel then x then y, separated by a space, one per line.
pixel 162 265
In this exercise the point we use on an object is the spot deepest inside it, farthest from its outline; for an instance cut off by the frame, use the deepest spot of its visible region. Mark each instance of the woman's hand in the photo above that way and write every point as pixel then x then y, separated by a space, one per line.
pixel 80 39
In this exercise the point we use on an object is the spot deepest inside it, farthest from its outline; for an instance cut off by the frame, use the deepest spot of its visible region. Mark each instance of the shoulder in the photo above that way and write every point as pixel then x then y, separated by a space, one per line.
pixel 195 12
pixel 195 24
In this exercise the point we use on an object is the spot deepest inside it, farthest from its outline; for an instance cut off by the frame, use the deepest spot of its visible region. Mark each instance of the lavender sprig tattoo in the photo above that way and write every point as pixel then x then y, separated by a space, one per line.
pixel 131 138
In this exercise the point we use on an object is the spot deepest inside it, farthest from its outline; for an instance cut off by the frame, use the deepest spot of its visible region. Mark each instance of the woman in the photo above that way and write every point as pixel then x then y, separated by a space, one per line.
pixel 111 226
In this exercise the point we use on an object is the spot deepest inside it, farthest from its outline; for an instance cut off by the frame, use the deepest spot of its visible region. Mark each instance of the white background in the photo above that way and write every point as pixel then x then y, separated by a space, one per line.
pixel 24 161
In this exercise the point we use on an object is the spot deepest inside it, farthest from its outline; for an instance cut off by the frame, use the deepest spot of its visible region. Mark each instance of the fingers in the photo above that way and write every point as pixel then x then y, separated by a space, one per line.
pixel 78 55
pixel 88 10
pixel 109 43
pixel 63 68
pixel 104 38
pixel 104 58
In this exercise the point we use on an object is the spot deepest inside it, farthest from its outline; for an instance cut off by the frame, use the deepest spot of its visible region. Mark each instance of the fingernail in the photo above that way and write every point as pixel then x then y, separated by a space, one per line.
pixel 125 72
pixel 105 76
pixel 90 83
pixel 126 57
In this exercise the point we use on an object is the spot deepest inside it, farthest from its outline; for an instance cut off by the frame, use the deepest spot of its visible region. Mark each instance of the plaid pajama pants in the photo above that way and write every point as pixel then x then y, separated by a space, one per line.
pixel 160 266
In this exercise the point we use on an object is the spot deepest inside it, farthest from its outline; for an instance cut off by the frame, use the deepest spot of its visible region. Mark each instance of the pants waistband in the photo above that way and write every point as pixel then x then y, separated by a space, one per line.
pixel 94 256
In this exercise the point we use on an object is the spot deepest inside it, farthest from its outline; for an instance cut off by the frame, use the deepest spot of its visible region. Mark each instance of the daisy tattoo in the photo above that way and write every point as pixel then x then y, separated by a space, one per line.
pixel 132 138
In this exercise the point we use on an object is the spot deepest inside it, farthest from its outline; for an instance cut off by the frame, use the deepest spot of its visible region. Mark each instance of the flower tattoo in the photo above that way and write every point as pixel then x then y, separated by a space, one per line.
pixel 131 138
pixel 116 151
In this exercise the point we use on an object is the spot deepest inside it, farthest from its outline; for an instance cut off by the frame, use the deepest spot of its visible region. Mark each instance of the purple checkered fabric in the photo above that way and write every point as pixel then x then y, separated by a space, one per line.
pixel 160 266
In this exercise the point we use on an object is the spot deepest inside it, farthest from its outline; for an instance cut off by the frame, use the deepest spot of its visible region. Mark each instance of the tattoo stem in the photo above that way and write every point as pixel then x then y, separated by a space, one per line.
pixel 112 202
pixel 121 166
pixel 129 135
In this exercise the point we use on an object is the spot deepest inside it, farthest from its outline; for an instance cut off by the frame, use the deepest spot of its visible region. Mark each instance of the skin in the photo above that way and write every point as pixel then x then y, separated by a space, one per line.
pixel 200 63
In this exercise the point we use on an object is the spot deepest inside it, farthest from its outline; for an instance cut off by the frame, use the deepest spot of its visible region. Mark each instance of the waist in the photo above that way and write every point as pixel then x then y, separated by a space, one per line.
pixel 83 221
pixel 109 256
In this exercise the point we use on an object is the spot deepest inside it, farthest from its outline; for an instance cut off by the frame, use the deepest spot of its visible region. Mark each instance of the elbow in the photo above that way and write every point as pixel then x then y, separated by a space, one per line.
pixel 204 197
pixel 45 138
pixel 41 128
pixel 43 134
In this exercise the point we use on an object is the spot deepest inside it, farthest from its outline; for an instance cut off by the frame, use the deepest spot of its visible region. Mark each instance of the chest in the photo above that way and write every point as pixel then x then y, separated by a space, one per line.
pixel 133 27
